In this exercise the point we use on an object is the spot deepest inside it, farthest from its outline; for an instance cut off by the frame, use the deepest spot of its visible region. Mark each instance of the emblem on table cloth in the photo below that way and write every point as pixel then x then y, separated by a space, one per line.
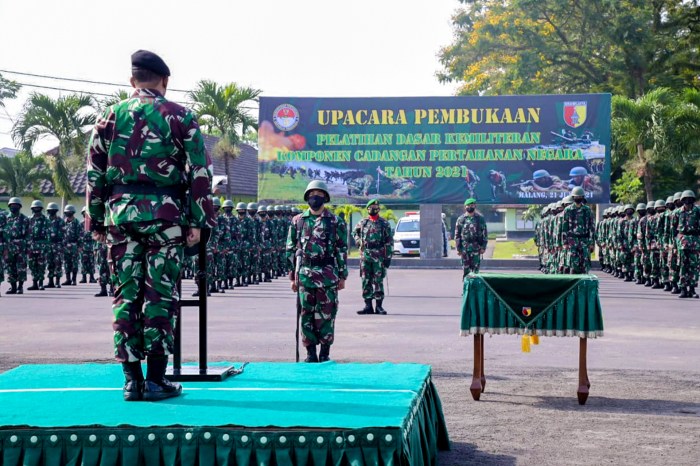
pixel 527 311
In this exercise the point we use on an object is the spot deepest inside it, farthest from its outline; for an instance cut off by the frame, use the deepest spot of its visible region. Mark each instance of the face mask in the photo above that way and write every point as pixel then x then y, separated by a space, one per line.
pixel 374 211
pixel 68 214
pixel 15 209
pixel 228 210
pixel 689 202
pixel 241 213
pixel 316 202
pixel 578 201
pixel 471 209
pixel 36 211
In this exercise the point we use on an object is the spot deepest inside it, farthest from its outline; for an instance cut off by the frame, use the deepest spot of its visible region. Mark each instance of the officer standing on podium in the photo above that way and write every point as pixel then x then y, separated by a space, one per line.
pixel 149 185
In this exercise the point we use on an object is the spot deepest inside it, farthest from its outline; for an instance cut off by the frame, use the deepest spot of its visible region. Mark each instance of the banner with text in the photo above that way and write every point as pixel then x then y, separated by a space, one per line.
pixel 529 149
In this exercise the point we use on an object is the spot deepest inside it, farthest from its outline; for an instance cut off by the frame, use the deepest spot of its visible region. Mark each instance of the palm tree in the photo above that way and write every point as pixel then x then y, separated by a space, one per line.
pixel 220 109
pixel 22 174
pixel 115 98
pixel 8 90
pixel 66 120
pixel 654 128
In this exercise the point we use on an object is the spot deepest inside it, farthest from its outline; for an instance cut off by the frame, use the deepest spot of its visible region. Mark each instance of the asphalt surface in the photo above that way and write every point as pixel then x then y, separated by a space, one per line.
pixel 644 405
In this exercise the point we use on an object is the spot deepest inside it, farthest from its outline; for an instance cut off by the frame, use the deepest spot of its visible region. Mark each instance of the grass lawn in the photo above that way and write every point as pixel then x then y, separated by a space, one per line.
pixel 506 249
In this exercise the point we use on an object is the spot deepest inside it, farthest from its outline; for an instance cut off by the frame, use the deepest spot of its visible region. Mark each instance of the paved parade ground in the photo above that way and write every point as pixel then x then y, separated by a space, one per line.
pixel 644 405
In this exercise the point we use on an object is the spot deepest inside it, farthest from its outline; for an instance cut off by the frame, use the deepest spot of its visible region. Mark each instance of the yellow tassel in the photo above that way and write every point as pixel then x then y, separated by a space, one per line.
pixel 535 339
pixel 525 343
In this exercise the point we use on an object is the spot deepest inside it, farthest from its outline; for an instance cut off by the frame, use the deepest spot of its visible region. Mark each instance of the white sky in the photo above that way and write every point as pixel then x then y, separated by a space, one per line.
pixel 307 48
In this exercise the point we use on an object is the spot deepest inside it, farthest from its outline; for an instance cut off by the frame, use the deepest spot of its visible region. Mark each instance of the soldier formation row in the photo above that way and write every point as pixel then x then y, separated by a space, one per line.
pixel 657 248
pixel 50 246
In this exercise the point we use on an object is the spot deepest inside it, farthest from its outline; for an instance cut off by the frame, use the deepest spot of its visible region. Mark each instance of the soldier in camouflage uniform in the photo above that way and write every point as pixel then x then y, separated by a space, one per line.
pixel 653 240
pixel 148 192
pixel 688 243
pixel 471 237
pixel 244 253
pixel 577 234
pixel 57 229
pixel 38 245
pixel 360 186
pixel 87 252
pixel 3 222
pixel 254 242
pixel 234 244
pixel 223 242
pixel 664 240
pixel 375 240
pixel 636 246
pixel 317 246
pixel 401 186
pixel 212 254
pixel 17 238
pixel 643 245
pixel 267 239
pixel 600 241
pixel 103 270
pixel 673 253
pixel 71 245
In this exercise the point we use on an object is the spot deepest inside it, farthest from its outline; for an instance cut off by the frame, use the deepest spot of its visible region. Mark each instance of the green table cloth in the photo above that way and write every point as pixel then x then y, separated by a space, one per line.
pixel 528 304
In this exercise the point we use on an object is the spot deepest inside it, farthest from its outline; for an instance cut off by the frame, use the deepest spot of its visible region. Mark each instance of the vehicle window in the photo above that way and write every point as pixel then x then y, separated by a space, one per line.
pixel 408 225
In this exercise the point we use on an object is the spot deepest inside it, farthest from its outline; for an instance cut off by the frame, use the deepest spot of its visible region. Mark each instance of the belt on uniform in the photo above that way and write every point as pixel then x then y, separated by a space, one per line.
pixel 177 190
pixel 373 245
pixel 319 262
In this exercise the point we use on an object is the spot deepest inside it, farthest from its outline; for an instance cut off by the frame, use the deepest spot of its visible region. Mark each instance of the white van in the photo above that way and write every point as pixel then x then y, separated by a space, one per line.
pixel 407 235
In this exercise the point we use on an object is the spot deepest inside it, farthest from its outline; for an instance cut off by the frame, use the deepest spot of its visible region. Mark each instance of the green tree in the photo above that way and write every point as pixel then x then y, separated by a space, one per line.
pixel 8 90
pixel 115 98
pixel 628 189
pixel 532 213
pixel 345 211
pixel 654 129
pixel 222 111
pixel 560 46
pixel 65 121
pixel 22 174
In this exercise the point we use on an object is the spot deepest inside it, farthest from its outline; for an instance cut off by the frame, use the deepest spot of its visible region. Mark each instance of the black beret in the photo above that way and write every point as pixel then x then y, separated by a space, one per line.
pixel 146 60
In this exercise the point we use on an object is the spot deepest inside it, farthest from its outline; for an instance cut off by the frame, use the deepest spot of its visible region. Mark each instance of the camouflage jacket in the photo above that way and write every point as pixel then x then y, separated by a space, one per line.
pixel 72 231
pixel 17 228
pixel 374 238
pixel 3 223
pixel 470 233
pixel 651 233
pixel 147 140
pixel 632 233
pixel 247 231
pixel 322 240
pixel 39 229
pixel 689 229
pixel 57 230
pixel 87 244
pixel 234 226
pixel 267 235
pixel 577 225
pixel 642 232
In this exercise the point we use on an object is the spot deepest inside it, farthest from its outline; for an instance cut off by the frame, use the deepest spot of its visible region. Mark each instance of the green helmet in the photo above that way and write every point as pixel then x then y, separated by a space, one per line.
pixel 540 174
pixel 669 200
pixel 677 196
pixel 228 203
pixel 69 208
pixel 578 171
pixel 252 206
pixel 578 192
pixel 688 194
pixel 15 200
pixel 216 201
pixel 52 206
pixel 278 208
pixel 241 206
pixel 641 206
pixel 317 184
pixel 568 200
pixel 659 203
pixel 650 205
pixel 629 207
pixel 37 203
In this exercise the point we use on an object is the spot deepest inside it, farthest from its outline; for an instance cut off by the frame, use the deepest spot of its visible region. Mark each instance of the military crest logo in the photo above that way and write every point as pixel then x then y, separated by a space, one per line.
pixel 285 117
pixel 575 113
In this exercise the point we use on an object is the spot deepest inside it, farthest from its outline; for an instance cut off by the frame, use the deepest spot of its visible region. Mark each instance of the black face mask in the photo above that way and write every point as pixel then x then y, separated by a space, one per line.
pixel 578 201
pixel 316 202
pixel 689 202
pixel 471 209
pixel 52 213
pixel 15 209
pixel 374 211
pixel 68 214
pixel 241 213
pixel 228 210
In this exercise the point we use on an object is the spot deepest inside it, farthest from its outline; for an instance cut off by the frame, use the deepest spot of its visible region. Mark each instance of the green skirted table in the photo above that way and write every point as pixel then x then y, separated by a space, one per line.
pixel 529 304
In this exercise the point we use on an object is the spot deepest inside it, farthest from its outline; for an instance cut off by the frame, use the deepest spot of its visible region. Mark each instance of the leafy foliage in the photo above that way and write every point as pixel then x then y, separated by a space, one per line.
pixel 8 90
pixel 628 189
pixel 22 174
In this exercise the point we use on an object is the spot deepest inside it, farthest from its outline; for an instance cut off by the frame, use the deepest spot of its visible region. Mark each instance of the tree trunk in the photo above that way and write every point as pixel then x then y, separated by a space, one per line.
pixel 228 177
pixel 646 173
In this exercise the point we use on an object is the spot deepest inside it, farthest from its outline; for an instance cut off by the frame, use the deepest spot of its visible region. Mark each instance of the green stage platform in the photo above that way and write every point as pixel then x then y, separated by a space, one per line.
pixel 273 414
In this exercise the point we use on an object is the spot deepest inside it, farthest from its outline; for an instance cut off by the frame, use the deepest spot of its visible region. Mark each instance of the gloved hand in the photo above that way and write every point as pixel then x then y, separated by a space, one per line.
pixel 387 262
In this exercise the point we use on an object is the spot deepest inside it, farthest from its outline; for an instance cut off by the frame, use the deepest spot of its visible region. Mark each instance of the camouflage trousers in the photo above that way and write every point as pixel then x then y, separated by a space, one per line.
pixel 255 261
pixel 665 272
pixel 624 260
pixel 37 260
pixel 87 262
pixel 471 261
pixel 673 265
pixel 145 261
pixel 211 266
pixel 55 261
pixel 220 265
pixel 266 260
pixel 318 309
pixel 655 264
pixel 244 268
pixel 578 258
pixel 102 265
pixel 2 263
pixel 16 265
pixel 372 271
pixel 232 265
pixel 646 263
pixel 689 268
pixel 70 258
pixel 638 267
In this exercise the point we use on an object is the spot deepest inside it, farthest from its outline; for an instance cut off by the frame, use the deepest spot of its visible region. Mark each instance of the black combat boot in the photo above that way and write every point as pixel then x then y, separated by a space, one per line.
pixel 58 281
pixel 20 290
pixel 684 293
pixel 324 353
pixel 225 285
pixel 628 277
pixel 50 285
pixel 656 285
pixel 157 387
pixel 311 354
pixel 266 277
pixel 83 279
pixel 34 286
pixel 692 293
pixel 73 282
pixel 13 288
pixel 212 288
pixel 639 281
pixel 92 278
pixel 111 290
pixel 368 308
pixel 133 386
pixel 221 286
pixel 648 282
pixel 103 291
pixel 67 282
pixel 41 285
pixel 675 289
pixel 379 309
pixel 667 286
pixel 230 283
pixel 238 281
